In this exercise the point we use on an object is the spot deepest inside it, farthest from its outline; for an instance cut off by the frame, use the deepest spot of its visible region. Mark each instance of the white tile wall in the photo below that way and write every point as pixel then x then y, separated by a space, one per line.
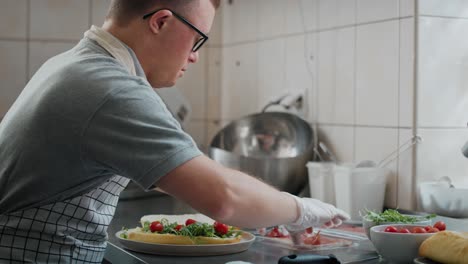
pixel 326 76
pixel 99 11
pixel 406 80
pixel 239 21
pixel 377 74
pixel 308 11
pixel 214 73
pixel 334 13
pixel 345 76
pixel 294 21
pixel 311 46
pixel 12 72
pixel 41 51
pixel 271 18
pixel 443 67
pixel 13 19
pixel 375 10
pixel 340 141
pixel 59 19
pixel 239 84
pixel 194 86
pixel 298 73
pixel 216 34
pixel 270 71
pixel 452 8
pixel 407 8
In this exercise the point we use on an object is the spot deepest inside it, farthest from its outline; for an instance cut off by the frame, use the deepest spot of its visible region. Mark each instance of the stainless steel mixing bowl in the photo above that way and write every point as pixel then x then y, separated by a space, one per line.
pixel 273 146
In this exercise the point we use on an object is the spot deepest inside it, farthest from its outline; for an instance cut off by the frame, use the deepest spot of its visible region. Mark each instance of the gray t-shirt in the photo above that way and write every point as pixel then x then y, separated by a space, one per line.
pixel 80 125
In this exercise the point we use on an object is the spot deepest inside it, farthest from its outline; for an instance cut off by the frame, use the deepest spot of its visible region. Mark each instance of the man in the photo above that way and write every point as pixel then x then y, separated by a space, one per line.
pixel 89 121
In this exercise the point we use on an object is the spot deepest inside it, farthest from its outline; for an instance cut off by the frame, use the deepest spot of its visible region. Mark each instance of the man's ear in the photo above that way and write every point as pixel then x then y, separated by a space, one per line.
pixel 159 20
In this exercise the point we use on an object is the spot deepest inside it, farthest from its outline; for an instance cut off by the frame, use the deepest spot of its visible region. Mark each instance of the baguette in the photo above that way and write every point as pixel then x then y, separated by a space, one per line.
pixel 138 235
pixel 170 229
pixel 446 247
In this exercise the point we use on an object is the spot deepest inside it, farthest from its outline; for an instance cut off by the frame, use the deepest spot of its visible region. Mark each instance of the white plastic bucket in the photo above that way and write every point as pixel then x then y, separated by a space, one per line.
pixel 358 189
pixel 321 181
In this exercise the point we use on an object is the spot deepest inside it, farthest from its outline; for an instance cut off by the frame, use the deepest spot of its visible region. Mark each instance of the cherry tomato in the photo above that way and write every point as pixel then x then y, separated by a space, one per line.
pixel 178 227
pixel 428 228
pixel 391 229
pixel 220 228
pixel 418 230
pixel 189 222
pixel 156 226
pixel 309 230
pixel 273 233
pixel 440 225
pixel 404 231
pixel 433 230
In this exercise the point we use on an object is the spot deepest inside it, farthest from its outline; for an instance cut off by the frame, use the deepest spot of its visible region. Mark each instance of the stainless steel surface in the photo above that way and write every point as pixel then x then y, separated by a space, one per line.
pixel 273 146
pixel 129 212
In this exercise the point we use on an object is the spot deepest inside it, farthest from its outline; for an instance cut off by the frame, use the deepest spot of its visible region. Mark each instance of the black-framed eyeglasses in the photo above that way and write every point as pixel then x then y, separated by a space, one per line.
pixel 199 42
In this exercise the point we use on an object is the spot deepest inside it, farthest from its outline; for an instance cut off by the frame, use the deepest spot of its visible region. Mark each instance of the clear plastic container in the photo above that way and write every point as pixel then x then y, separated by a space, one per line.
pixel 357 189
pixel 321 183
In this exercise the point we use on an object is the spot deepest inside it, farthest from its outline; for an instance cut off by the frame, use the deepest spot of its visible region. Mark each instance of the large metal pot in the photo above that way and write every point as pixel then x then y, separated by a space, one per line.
pixel 273 146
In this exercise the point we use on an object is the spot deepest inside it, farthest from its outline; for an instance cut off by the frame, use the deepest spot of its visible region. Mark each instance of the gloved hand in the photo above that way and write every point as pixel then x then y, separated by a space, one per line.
pixel 313 212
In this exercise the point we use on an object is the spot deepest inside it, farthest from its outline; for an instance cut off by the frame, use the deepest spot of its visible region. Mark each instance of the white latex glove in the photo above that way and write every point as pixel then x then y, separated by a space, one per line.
pixel 313 213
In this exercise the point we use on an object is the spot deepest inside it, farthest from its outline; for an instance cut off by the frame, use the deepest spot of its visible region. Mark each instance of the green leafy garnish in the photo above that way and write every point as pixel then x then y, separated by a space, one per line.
pixel 124 234
pixel 393 216
pixel 193 230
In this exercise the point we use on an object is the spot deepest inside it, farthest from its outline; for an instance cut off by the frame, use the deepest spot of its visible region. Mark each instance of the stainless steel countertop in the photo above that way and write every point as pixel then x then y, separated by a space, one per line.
pixel 129 212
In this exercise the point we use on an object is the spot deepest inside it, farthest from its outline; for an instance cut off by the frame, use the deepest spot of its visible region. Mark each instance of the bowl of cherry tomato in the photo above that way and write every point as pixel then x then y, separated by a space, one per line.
pixel 399 243
pixel 391 216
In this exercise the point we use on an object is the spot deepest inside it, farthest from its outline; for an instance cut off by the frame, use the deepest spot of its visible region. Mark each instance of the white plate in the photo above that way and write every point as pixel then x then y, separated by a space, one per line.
pixel 425 261
pixel 187 250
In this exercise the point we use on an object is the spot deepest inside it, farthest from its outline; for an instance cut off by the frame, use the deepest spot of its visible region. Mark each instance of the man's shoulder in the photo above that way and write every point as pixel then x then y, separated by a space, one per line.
pixel 95 69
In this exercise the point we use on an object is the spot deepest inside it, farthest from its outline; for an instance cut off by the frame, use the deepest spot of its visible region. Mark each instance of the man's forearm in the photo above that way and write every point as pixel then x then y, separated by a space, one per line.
pixel 257 204
pixel 228 195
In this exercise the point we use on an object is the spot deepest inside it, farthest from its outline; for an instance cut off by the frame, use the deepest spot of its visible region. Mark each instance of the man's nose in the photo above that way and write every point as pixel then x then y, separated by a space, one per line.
pixel 193 57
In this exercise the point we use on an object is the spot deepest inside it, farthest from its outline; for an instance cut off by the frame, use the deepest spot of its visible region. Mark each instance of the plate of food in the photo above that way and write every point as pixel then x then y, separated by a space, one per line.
pixel 184 235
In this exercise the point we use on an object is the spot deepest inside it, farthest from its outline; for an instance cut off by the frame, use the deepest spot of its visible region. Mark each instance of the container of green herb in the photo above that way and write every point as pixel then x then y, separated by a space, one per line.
pixel 391 216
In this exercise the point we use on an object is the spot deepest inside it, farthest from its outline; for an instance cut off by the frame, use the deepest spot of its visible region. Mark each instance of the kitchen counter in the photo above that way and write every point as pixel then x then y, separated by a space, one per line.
pixel 130 210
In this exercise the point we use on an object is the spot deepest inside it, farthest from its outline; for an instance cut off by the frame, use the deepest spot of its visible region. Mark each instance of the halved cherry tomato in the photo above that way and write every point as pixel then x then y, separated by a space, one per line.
pixel 189 222
pixel 418 230
pixel 309 230
pixel 273 233
pixel 428 228
pixel 220 228
pixel 391 229
pixel 178 227
pixel 404 231
pixel 440 225
pixel 156 226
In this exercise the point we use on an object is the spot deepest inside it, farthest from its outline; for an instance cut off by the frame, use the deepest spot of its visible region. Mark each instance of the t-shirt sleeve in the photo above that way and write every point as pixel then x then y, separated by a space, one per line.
pixel 132 134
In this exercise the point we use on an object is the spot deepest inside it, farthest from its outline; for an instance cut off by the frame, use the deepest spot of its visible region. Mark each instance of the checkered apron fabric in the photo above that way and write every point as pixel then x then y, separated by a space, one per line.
pixel 70 231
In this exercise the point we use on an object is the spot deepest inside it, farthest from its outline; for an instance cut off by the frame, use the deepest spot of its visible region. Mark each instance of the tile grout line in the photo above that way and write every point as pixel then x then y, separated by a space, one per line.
pixel 399 109
pixel 238 43
pixel 414 170
pixel 355 82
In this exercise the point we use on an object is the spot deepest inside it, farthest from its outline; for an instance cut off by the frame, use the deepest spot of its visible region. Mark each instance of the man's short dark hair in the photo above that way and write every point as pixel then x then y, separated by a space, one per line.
pixel 123 11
